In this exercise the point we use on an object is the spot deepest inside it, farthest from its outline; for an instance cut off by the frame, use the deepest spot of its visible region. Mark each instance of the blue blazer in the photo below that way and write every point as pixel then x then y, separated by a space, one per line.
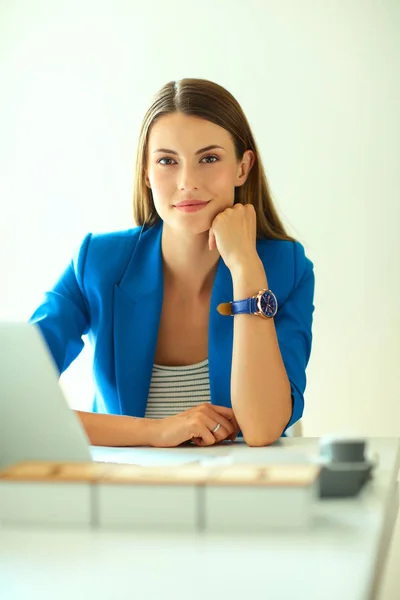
pixel 113 291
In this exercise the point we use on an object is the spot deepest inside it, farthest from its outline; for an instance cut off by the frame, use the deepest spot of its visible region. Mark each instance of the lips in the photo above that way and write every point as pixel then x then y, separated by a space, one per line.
pixel 190 203
pixel 190 206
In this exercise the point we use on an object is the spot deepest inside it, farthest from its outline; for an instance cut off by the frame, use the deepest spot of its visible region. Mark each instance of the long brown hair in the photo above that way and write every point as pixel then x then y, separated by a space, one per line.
pixel 208 100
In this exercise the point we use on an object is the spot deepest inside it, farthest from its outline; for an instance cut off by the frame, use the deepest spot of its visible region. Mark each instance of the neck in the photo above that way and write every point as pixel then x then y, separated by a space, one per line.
pixel 188 263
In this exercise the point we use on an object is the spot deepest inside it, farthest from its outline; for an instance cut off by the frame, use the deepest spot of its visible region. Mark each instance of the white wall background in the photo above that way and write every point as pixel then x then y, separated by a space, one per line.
pixel 319 82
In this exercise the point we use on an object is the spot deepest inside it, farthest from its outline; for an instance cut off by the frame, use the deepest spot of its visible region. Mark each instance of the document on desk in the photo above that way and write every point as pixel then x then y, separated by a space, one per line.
pixel 163 457
pixel 145 457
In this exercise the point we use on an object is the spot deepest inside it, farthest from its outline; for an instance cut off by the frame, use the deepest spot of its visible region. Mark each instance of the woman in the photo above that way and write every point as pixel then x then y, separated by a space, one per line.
pixel 176 357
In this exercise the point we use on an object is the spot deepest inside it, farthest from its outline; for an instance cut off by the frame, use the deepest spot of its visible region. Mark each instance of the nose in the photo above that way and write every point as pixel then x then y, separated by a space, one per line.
pixel 188 179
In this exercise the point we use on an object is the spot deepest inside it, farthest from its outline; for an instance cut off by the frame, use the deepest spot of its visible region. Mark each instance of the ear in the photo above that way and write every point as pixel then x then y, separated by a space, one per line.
pixel 147 180
pixel 244 167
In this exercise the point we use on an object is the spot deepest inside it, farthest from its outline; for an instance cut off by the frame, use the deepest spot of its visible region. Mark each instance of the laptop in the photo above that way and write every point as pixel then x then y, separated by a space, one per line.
pixel 36 422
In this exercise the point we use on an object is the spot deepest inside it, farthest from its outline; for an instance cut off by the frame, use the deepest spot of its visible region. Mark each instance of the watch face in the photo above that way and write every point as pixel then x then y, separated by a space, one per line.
pixel 268 304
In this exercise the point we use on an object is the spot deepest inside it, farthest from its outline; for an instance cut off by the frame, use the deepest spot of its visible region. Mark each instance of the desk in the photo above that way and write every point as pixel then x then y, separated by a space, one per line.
pixel 340 557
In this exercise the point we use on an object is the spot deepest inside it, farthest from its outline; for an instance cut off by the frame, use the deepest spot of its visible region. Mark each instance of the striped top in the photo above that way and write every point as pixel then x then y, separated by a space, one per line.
pixel 176 389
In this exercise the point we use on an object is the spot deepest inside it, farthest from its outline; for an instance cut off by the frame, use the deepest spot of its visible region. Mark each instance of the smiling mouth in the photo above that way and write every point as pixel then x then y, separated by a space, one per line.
pixel 190 207
pixel 190 203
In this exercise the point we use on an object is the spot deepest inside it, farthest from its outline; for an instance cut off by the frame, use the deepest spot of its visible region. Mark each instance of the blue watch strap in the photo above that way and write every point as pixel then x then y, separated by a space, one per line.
pixel 244 307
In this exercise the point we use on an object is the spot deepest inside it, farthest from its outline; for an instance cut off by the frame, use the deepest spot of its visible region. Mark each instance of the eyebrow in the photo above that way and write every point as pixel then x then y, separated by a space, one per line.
pixel 212 147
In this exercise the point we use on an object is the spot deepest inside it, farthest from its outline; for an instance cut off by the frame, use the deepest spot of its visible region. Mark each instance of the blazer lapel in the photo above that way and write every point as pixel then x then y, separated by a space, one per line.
pixel 137 309
pixel 220 339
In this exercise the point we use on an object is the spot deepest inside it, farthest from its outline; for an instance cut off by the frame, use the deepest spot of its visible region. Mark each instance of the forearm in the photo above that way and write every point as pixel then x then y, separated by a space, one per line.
pixel 115 430
pixel 260 388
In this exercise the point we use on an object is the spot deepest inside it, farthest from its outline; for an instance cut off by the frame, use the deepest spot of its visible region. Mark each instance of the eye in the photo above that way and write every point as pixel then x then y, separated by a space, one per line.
pixel 167 159
pixel 212 157
pixel 209 160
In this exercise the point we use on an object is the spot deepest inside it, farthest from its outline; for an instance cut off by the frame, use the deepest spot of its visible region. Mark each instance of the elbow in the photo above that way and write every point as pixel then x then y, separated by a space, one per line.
pixel 256 437
pixel 255 431
pixel 258 440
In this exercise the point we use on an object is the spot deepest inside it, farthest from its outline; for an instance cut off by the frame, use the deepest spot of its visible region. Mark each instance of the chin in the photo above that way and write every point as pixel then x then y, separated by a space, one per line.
pixel 192 228
pixel 193 224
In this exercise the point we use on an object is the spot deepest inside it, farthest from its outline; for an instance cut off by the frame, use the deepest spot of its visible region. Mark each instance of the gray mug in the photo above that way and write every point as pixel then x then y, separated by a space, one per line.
pixel 336 449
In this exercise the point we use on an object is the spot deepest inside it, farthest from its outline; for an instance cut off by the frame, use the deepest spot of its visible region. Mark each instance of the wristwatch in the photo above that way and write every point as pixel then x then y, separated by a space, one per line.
pixel 264 304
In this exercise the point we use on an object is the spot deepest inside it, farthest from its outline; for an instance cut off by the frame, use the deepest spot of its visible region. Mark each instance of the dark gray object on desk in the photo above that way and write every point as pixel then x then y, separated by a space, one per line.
pixel 344 467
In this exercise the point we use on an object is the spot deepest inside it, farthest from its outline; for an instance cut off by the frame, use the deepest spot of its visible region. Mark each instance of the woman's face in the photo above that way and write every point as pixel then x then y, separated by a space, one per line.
pixel 192 160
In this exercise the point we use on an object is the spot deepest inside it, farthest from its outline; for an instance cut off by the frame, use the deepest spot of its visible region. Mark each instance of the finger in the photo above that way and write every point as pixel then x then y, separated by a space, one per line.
pixel 203 436
pixel 236 430
pixel 227 413
pixel 222 410
pixel 212 419
pixel 223 432
pixel 221 435
pixel 233 435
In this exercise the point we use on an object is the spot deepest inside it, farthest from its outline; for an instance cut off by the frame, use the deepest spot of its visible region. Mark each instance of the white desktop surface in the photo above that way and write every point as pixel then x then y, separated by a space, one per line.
pixel 340 557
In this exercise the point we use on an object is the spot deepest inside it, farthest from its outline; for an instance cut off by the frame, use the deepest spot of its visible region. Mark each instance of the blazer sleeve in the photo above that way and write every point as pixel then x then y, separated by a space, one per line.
pixel 63 317
pixel 294 329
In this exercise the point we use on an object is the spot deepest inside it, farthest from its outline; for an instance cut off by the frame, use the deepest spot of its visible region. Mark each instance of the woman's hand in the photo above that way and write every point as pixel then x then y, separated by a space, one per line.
pixel 195 424
pixel 233 233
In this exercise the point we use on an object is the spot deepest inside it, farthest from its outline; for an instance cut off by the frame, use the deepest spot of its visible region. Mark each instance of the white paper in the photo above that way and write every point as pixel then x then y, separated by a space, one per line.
pixel 145 457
